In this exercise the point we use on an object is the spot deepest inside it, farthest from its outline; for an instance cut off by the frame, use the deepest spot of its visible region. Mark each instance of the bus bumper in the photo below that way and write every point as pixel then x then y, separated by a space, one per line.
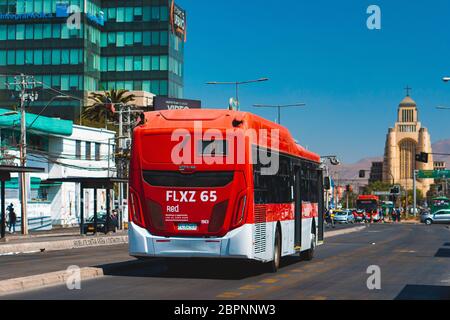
pixel 238 243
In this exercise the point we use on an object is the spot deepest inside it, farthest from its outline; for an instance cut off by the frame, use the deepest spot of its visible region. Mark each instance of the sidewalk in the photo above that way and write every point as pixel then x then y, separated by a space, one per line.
pixel 52 241
pixel 56 232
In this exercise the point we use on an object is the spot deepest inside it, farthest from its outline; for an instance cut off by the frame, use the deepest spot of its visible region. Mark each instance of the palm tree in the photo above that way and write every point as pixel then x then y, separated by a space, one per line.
pixel 97 111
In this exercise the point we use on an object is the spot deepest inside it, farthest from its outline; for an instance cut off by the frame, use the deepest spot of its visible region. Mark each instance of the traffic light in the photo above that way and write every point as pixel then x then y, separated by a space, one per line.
pixel 395 190
pixel 422 157
pixel 327 183
pixel 362 173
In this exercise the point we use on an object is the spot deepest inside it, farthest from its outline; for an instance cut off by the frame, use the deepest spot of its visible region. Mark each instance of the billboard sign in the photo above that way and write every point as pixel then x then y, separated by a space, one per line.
pixel 164 103
pixel 178 20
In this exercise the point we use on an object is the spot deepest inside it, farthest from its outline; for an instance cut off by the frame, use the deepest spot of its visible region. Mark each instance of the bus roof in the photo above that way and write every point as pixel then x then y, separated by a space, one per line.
pixel 222 120
pixel 440 198
pixel 368 197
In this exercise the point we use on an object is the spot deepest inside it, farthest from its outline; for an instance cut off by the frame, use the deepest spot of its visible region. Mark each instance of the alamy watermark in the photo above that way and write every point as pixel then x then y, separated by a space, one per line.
pixel 73 280
pixel 374 19
pixel 214 146
pixel 374 280
pixel 74 18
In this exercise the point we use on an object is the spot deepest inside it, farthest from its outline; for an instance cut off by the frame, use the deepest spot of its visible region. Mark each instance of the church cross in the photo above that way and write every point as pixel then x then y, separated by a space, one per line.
pixel 408 89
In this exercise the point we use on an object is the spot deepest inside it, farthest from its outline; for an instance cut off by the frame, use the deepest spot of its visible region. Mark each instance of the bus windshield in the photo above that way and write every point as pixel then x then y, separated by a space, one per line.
pixel 367 205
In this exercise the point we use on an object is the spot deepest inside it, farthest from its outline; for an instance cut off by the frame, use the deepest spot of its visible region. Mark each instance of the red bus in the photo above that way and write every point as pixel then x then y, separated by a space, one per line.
pixel 370 205
pixel 200 186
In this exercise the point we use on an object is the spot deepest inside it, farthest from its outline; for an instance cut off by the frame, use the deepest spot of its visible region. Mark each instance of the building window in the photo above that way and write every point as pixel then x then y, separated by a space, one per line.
pixel 20 32
pixel 3 32
pixel 88 150
pixel 97 151
pixel 129 63
pixel 78 149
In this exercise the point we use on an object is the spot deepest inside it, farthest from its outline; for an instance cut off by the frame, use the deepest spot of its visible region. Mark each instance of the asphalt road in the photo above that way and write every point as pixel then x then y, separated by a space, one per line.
pixel 413 260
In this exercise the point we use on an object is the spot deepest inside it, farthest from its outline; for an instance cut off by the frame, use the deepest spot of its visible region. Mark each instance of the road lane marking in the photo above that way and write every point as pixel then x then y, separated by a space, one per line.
pixel 269 281
pixel 283 275
pixel 229 295
pixel 250 287
pixel 297 270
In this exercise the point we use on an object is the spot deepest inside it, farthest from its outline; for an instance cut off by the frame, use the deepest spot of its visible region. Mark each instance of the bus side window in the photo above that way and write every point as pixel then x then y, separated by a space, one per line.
pixel 273 188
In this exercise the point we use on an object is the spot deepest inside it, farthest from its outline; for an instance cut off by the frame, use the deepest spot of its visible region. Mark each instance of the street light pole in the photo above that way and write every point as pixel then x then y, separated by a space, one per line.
pixel 237 84
pixel 279 107
pixel 414 192
pixel 335 162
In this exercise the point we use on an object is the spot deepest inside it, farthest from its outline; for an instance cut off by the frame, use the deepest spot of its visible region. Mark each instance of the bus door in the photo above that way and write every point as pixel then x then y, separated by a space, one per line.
pixel 321 206
pixel 298 207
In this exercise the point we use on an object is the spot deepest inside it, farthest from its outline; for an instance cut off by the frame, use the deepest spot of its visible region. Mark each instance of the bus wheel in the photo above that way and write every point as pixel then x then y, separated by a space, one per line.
pixel 275 263
pixel 308 255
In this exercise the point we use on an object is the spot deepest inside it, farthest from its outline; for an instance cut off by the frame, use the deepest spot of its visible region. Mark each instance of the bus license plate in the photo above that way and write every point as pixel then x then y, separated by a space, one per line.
pixel 187 227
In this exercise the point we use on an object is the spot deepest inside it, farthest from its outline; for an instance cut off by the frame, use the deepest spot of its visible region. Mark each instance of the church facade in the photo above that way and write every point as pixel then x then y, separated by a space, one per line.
pixel 406 139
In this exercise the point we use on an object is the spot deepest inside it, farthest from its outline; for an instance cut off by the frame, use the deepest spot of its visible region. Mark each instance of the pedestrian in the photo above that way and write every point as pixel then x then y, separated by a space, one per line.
pixel 12 218
pixel 332 218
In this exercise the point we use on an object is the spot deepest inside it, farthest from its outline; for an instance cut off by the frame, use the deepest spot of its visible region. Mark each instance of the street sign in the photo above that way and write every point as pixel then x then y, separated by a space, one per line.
pixel 433 174
pixel 381 193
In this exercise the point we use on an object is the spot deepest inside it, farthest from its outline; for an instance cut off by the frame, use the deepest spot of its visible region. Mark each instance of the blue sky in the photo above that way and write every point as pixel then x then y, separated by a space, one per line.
pixel 321 53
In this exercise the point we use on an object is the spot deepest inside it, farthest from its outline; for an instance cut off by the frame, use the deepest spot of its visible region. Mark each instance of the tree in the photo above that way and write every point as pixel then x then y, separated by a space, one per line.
pixel 377 186
pixel 419 195
pixel 97 112
pixel 352 197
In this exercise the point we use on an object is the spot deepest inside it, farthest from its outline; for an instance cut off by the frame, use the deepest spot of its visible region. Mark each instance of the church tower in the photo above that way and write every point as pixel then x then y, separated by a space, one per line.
pixel 403 142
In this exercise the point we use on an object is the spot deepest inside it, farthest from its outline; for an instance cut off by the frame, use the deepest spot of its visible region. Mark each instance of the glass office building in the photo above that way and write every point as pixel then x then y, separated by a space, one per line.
pixel 77 46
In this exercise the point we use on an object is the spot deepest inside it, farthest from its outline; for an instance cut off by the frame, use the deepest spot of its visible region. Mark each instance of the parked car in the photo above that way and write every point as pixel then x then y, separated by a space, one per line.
pixel 350 216
pixel 344 216
pixel 101 223
pixel 440 216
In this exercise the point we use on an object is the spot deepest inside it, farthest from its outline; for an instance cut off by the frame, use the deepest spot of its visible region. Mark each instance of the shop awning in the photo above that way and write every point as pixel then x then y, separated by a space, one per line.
pixel 43 124
pixel 14 183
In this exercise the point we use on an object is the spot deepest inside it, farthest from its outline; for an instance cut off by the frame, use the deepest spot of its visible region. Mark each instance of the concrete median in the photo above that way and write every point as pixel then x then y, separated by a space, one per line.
pixel 39 281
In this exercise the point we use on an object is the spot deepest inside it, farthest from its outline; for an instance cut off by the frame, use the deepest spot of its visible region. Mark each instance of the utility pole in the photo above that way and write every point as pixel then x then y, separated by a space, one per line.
pixel 125 130
pixel 414 192
pixel 25 84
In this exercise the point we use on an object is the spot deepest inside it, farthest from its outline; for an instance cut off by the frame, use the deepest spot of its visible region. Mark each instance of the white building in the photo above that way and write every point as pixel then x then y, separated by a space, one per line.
pixel 64 150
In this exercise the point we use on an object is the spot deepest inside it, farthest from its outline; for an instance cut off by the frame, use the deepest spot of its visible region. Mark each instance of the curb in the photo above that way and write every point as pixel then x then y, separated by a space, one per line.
pixel 330 234
pixel 55 245
pixel 18 285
